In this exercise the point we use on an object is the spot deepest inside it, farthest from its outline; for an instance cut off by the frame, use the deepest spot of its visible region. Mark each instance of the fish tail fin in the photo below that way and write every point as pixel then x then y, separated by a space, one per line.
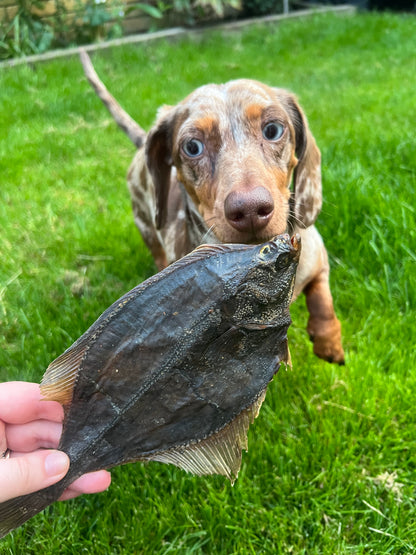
pixel 15 512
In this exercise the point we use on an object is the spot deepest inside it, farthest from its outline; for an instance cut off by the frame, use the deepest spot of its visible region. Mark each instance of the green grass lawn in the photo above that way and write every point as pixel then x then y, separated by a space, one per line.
pixel 332 457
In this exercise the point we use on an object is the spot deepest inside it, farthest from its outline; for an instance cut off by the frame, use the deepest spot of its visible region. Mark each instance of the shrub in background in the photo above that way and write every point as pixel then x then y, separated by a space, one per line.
pixel 26 33
pixel 262 7
pixel 99 21
pixel 30 33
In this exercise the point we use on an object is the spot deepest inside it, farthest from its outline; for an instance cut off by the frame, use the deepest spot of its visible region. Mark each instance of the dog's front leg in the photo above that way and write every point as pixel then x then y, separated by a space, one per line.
pixel 312 277
pixel 324 328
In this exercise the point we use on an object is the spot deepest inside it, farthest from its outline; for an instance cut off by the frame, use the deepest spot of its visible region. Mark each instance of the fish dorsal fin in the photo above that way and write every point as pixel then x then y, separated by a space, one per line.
pixel 220 453
pixel 59 379
pixel 213 248
pixel 204 251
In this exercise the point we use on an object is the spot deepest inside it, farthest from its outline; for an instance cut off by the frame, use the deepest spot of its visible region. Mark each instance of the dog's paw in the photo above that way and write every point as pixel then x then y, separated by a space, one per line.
pixel 326 338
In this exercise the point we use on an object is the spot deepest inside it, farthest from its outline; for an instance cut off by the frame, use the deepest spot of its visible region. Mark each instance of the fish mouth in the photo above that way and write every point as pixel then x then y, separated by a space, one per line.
pixel 292 246
pixel 295 247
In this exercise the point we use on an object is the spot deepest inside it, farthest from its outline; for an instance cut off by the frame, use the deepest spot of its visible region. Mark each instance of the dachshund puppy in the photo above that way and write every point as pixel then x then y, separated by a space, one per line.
pixel 232 163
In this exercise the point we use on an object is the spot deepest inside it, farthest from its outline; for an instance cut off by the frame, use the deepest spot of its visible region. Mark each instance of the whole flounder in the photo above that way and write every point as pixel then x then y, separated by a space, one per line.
pixel 176 370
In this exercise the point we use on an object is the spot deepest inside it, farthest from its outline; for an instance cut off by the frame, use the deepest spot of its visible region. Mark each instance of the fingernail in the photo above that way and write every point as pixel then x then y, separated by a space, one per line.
pixel 56 463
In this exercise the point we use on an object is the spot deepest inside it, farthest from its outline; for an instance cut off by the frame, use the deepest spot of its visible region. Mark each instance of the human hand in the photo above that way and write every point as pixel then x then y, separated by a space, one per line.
pixel 28 425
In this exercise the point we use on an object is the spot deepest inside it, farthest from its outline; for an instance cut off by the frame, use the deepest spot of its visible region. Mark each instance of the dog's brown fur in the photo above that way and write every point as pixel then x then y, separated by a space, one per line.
pixel 218 167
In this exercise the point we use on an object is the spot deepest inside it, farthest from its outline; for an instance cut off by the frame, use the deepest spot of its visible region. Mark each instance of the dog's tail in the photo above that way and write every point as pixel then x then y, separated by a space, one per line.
pixel 132 129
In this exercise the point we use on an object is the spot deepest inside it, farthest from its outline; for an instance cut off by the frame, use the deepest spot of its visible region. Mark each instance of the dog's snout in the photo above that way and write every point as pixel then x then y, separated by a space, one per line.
pixel 249 210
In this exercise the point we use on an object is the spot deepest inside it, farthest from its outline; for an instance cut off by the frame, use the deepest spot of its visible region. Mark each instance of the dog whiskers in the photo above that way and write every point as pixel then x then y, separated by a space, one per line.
pixel 209 236
pixel 293 218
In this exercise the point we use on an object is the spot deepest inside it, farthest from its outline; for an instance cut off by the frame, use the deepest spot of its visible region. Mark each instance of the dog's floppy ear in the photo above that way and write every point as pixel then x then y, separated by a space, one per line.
pixel 159 144
pixel 307 185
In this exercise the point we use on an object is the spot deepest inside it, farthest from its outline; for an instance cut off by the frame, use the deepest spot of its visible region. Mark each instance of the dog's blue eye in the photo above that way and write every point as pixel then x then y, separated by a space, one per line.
pixel 193 148
pixel 273 131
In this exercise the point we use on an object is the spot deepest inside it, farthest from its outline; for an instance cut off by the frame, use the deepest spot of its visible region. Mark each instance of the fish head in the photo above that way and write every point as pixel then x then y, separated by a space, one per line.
pixel 265 287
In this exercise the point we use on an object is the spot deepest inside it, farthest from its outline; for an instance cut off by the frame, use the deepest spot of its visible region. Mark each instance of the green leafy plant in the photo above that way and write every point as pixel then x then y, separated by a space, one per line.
pixel 26 33
pixel 100 20
pixel 153 11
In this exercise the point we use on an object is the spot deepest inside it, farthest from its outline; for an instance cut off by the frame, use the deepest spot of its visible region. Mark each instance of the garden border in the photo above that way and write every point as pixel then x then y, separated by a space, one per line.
pixel 175 32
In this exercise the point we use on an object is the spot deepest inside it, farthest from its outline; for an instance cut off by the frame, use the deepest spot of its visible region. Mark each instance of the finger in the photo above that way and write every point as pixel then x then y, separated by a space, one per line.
pixel 31 472
pixel 3 442
pixel 22 402
pixel 93 482
pixel 33 435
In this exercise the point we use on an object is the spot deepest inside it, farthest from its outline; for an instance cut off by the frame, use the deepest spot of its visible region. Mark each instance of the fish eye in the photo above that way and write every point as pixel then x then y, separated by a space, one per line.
pixel 265 251
pixel 273 131
pixel 193 148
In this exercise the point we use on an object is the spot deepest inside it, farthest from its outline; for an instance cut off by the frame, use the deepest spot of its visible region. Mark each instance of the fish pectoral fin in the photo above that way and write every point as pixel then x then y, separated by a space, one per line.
pixel 258 325
pixel 255 326
pixel 59 379
pixel 220 453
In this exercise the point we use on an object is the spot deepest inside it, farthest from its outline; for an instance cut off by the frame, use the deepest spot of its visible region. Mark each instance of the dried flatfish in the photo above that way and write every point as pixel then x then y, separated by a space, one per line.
pixel 174 371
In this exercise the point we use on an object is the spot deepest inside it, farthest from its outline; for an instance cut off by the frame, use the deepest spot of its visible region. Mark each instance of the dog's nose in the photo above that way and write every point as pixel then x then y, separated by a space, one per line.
pixel 249 210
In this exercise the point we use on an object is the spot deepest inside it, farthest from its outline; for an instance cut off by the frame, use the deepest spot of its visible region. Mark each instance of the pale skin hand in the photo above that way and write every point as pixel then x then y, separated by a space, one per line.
pixel 31 428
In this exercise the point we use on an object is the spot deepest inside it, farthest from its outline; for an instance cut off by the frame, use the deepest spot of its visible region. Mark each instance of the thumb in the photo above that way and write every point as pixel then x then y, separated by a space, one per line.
pixel 31 472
